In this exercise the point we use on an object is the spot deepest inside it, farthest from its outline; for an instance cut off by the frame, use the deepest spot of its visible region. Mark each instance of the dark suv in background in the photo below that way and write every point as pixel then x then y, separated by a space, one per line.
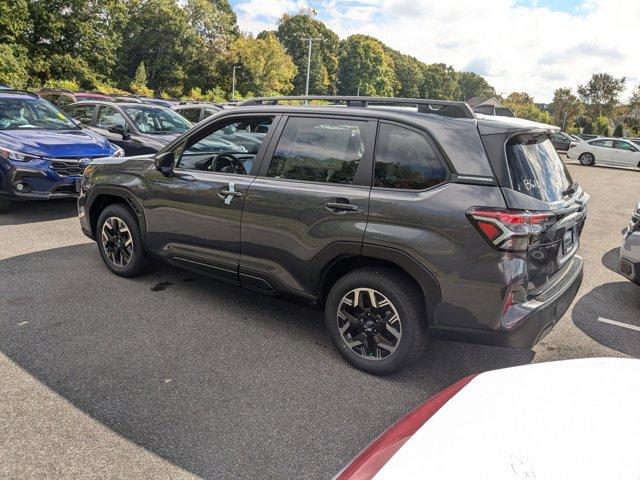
pixel 398 221
pixel 137 128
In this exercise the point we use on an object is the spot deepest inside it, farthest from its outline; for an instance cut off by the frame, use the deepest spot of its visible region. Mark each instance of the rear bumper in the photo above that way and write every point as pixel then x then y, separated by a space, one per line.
pixel 538 316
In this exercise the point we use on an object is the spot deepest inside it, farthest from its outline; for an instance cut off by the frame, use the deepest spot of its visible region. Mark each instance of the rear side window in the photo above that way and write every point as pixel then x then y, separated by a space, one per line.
pixel 83 113
pixel 319 150
pixel 406 160
pixel 191 114
pixel 602 143
pixel 537 170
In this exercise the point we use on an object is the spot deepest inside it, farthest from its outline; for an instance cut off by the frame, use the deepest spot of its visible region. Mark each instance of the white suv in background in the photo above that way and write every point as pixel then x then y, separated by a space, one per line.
pixel 609 151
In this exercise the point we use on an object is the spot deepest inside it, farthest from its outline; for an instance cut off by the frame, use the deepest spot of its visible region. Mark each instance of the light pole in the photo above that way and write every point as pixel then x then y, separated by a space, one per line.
pixel 233 82
pixel 310 40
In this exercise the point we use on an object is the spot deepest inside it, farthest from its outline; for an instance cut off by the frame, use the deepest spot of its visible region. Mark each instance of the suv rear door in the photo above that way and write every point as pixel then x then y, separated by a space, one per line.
pixel 310 199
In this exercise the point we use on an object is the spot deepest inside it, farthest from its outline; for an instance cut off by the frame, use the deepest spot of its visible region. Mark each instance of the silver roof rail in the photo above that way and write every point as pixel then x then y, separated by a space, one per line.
pixel 443 108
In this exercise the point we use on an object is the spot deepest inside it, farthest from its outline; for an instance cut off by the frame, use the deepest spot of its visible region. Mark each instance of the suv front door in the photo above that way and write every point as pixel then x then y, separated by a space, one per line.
pixel 310 200
pixel 193 215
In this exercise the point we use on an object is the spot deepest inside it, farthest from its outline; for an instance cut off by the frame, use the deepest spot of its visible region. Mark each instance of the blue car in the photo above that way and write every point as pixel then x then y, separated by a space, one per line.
pixel 42 151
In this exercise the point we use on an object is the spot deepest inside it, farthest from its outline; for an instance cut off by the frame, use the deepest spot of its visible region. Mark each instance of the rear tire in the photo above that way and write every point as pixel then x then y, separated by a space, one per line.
pixel 587 159
pixel 4 205
pixel 120 241
pixel 398 322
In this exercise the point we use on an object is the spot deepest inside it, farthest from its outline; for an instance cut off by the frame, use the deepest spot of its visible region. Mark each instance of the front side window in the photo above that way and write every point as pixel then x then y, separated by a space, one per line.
pixel 319 150
pixel 36 114
pixel 229 148
pixel 109 117
pixel 625 146
pixel 157 120
pixel 406 160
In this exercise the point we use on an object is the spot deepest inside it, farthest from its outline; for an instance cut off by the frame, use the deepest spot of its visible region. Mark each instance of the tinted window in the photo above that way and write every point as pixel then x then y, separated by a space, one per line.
pixel 83 113
pixel 157 120
pixel 191 114
pixel 405 159
pixel 210 111
pixel 108 117
pixel 319 150
pixel 602 143
pixel 536 170
pixel 625 146
pixel 32 114
pixel 237 138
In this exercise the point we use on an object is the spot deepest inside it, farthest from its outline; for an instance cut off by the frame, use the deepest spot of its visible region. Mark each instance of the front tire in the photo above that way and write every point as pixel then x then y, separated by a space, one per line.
pixel 587 159
pixel 376 320
pixel 120 241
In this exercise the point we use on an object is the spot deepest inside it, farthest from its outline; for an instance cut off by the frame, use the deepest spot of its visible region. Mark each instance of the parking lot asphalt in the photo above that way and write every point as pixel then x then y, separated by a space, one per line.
pixel 174 375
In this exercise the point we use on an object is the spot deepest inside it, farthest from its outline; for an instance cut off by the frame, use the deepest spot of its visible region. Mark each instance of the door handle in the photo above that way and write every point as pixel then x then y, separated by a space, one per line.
pixel 341 207
pixel 225 193
pixel 229 193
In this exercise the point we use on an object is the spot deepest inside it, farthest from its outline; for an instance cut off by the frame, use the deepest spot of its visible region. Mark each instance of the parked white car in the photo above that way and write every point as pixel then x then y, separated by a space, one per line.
pixel 606 151
pixel 566 420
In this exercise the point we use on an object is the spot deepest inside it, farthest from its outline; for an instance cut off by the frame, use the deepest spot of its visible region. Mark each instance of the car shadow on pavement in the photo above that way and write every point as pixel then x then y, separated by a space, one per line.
pixel 21 213
pixel 610 259
pixel 222 381
pixel 616 302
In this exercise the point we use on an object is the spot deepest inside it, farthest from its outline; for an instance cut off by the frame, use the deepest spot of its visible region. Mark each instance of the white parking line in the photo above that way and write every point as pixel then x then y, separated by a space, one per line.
pixel 619 324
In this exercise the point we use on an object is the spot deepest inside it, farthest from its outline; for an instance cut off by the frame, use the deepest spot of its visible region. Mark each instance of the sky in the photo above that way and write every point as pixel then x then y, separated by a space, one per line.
pixel 533 46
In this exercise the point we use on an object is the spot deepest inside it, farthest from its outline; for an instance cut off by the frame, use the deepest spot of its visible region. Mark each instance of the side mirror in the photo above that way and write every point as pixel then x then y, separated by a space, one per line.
pixel 119 130
pixel 77 121
pixel 164 163
pixel 229 130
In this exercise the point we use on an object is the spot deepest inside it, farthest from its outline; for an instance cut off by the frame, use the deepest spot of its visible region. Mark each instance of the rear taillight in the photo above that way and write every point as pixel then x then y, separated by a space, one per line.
pixel 509 230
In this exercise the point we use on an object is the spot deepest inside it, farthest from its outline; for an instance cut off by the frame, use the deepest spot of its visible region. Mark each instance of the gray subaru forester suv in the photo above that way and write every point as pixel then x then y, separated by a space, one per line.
pixel 402 218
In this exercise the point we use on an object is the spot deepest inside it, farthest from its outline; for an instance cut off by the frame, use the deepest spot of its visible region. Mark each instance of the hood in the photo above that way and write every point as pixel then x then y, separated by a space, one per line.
pixel 158 141
pixel 57 143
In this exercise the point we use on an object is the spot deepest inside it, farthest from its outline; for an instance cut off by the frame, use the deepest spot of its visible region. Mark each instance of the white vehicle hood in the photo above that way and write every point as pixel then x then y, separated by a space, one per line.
pixel 573 419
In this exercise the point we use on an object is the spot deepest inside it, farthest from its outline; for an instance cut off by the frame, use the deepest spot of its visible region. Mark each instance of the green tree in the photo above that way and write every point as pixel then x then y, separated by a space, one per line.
pixel 408 71
pixel 292 31
pixel 619 131
pixel 14 21
pixel 601 93
pixel 167 52
pixel 523 107
pixel 473 85
pixel 440 82
pixel 601 126
pixel 13 67
pixel 565 107
pixel 139 84
pixel 364 66
pixel 266 68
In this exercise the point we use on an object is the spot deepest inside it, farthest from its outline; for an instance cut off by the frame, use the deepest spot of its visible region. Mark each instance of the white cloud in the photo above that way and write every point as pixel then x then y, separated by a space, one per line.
pixel 517 48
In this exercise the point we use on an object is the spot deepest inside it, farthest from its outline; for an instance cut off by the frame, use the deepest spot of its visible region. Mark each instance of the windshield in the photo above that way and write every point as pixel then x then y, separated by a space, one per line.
pixel 157 120
pixel 537 170
pixel 36 114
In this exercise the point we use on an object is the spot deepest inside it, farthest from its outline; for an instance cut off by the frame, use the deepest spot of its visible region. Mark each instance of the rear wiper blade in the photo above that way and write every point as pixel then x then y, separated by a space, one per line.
pixel 571 190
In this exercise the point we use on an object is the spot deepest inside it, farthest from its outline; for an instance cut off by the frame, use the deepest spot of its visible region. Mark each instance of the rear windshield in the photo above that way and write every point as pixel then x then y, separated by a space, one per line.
pixel 537 170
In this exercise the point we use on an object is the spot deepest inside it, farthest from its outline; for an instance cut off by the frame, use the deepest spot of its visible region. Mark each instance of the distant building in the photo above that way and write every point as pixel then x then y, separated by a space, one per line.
pixel 489 106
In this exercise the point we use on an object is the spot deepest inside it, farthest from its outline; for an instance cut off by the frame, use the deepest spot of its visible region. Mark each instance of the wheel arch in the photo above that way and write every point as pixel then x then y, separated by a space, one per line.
pixel 386 257
pixel 103 197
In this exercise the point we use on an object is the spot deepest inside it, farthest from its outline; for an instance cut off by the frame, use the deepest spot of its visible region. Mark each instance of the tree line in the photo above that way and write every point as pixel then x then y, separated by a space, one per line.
pixel 188 49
